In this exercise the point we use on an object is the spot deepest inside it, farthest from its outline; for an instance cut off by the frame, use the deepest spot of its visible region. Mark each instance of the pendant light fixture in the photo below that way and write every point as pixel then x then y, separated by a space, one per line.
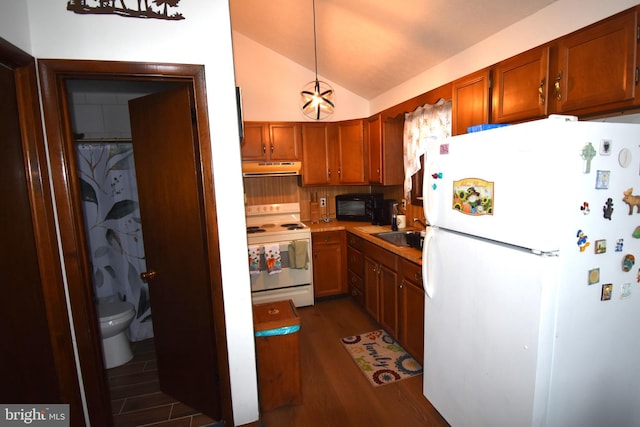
pixel 316 97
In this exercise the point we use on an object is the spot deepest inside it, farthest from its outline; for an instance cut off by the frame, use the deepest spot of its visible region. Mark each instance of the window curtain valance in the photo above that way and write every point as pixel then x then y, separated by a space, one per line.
pixel 427 124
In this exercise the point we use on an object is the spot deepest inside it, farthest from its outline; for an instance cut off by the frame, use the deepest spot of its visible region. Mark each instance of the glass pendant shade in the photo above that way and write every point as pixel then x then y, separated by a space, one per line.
pixel 316 99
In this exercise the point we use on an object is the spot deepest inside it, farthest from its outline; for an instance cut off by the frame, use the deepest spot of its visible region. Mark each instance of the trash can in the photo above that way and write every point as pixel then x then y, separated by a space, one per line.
pixel 276 326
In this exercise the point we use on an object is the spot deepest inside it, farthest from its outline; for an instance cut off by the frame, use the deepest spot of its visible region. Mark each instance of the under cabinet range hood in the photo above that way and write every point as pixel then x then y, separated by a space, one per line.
pixel 256 169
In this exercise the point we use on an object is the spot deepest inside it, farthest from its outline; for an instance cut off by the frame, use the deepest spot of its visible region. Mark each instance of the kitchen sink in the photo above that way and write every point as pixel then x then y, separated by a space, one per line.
pixel 408 239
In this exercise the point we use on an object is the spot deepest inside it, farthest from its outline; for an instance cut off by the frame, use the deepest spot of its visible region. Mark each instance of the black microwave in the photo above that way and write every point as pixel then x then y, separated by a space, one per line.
pixel 356 206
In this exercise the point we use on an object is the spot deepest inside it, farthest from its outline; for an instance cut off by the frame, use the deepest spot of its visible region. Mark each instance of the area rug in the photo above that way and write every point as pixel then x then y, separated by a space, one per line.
pixel 380 358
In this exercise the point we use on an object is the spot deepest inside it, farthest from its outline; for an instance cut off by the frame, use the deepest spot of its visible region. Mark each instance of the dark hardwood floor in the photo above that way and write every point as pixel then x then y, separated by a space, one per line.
pixel 335 392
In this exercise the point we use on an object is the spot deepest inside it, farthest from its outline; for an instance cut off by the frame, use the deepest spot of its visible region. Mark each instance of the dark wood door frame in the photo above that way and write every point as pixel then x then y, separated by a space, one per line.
pixel 53 75
pixel 42 213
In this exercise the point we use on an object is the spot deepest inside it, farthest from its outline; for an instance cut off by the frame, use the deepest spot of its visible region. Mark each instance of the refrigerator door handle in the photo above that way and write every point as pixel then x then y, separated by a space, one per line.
pixel 430 184
pixel 428 287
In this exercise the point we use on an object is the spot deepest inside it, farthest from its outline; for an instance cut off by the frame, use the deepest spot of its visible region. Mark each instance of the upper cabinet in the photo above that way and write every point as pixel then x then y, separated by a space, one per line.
pixel 520 86
pixel 596 67
pixel 350 152
pixel 471 100
pixel 273 141
pixel 333 153
pixel 385 150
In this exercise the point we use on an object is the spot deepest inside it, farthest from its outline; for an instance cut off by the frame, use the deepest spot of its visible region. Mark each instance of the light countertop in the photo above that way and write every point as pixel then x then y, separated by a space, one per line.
pixel 365 231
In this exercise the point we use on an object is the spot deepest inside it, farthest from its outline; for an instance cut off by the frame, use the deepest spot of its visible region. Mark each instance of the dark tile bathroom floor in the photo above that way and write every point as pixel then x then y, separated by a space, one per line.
pixel 136 399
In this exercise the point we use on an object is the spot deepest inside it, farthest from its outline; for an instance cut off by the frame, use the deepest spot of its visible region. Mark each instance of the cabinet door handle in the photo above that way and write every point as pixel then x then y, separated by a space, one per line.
pixel 271 148
pixel 329 171
pixel 417 276
pixel 557 86
pixel 264 149
pixel 541 90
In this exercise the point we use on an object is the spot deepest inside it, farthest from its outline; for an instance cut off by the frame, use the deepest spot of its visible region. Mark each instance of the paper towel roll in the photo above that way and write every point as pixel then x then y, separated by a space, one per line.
pixel 402 221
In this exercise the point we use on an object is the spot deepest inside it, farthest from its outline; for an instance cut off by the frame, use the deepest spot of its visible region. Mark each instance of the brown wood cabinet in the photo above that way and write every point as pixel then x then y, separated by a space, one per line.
pixel 411 310
pixel 381 286
pixel 329 268
pixel 471 100
pixel 384 138
pixel 355 267
pixel 520 87
pixel 333 153
pixel 276 141
pixel 596 67
pixel 390 288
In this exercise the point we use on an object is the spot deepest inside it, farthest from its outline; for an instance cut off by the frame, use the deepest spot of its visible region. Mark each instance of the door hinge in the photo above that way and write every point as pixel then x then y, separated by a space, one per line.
pixel 637 75
pixel 194 117
pixel 638 33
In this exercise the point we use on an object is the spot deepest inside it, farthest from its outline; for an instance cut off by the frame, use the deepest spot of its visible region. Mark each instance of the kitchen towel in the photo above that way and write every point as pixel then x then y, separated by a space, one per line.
pixel 298 254
pixel 254 259
pixel 273 259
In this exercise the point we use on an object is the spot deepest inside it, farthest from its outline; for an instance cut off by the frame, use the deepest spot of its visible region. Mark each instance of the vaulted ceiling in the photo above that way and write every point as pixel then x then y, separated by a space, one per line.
pixel 371 46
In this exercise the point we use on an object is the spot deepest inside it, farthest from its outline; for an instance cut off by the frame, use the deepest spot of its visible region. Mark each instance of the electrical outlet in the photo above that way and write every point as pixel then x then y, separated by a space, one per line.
pixel 323 202
pixel 404 204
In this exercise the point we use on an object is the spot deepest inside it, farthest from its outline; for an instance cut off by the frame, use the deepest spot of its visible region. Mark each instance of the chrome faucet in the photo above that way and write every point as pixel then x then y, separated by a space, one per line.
pixel 419 221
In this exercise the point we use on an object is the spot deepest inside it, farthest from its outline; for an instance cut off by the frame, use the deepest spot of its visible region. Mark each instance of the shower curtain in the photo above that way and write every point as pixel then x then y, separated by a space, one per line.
pixel 114 231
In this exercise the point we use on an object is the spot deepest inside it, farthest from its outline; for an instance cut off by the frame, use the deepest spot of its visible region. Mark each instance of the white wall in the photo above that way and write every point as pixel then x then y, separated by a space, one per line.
pixel 14 23
pixel 271 84
pixel 204 37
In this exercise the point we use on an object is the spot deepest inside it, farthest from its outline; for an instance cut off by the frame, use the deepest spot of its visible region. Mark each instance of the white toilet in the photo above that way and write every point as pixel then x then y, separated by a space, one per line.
pixel 115 318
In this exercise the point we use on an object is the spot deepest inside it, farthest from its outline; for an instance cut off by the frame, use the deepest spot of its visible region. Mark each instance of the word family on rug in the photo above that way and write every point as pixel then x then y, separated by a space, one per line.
pixel 380 358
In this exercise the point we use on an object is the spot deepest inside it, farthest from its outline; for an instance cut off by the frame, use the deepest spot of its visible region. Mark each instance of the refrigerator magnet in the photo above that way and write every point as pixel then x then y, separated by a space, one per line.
pixel 619 245
pixel 583 243
pixel 627 262
pixel 607 209
pixel 587 154
pixel 625 291
pixel 631 200
pixel 605 147
pixel 602 179
pixel 594 276
pixel 601 246
pixel 473 196
pixel 606 292
pixel 624 158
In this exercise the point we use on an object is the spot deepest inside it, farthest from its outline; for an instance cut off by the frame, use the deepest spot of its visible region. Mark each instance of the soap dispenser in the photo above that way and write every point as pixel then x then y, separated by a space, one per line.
pixel 394 218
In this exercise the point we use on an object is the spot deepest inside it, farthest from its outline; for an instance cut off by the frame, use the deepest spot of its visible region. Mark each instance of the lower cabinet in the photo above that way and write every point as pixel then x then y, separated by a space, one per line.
pixel 389 288
pixel 329 269
pixel 381 286
pixel 355 268
pixel 411 309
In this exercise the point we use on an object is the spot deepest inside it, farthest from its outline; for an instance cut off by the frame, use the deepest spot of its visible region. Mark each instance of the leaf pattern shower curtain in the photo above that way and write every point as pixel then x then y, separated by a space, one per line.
pixel 114 233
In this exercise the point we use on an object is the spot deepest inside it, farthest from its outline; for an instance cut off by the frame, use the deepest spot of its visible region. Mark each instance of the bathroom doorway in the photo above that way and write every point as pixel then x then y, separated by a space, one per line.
pixel 105 167
pixel 206 357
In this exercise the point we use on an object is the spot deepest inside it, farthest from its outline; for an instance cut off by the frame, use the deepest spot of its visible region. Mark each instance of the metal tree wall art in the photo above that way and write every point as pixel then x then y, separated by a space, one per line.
pixel 143 9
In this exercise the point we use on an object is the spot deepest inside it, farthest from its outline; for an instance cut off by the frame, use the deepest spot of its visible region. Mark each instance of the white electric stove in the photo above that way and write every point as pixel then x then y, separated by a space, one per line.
pixel 279 224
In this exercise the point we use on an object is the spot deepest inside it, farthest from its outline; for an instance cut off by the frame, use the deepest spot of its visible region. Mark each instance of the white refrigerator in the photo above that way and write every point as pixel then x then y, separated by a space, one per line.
pixel 532 314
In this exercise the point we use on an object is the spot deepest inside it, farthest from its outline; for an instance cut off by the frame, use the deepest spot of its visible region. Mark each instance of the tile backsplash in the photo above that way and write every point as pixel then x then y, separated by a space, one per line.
pixel 265 190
